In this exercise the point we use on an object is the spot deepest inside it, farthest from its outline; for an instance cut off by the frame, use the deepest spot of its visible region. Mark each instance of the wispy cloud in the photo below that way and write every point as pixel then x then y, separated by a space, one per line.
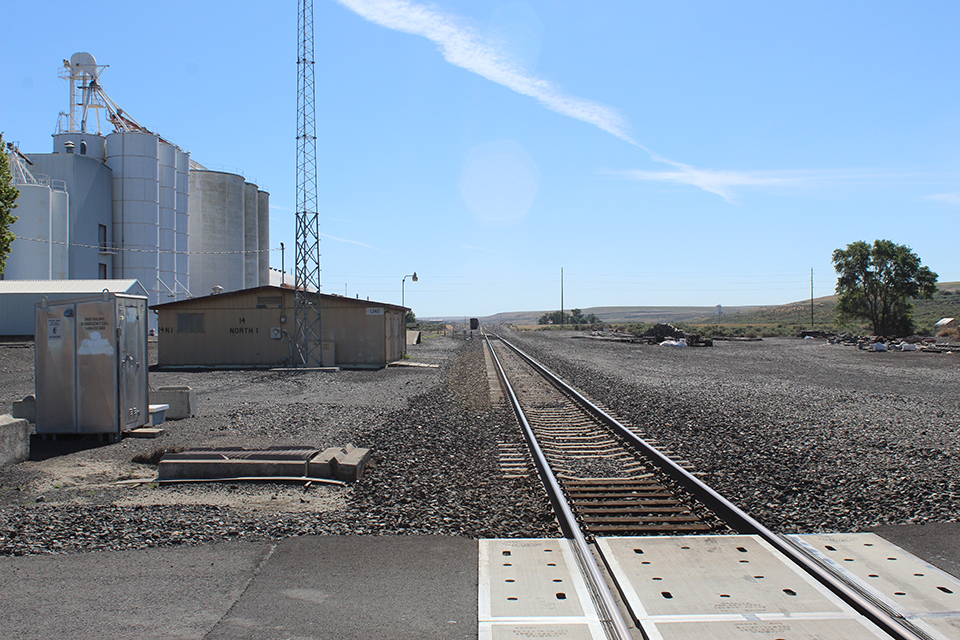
pixel 719 181
pixel 949 198
pixel 466 47
pixel 356 242
pixel 727 183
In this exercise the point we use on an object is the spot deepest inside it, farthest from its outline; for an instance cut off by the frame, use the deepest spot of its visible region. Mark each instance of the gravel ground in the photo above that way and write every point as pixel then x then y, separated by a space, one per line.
pixel 804 436
pixel 435 469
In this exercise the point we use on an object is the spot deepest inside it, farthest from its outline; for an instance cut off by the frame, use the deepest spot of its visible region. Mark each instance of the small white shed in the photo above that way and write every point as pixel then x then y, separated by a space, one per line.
pixel 18 297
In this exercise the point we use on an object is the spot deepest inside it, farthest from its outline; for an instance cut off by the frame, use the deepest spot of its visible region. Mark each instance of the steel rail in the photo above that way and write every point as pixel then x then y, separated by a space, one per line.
pixel 890 622
pixel 611 619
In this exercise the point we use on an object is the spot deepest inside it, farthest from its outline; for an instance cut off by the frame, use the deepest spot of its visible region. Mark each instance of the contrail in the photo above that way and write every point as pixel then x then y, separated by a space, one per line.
pixel 467 48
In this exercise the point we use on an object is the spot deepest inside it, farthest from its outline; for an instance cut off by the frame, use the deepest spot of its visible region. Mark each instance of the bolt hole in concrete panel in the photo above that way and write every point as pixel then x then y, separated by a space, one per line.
pixel 915 589
pixel 885 569
pixel 702 576
pixel 533 594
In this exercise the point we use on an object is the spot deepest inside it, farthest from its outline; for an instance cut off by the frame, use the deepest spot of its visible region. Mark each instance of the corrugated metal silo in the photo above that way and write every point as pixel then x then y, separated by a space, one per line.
pixel 251 264
pixel 263 237
pixel 43 215
pixel 135 160
pixel 216 227
pixel 182 228
pixel 168 222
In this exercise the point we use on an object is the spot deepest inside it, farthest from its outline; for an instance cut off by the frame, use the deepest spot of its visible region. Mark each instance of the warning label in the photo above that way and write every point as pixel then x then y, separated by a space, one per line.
pixel 54 328
pixel 94 323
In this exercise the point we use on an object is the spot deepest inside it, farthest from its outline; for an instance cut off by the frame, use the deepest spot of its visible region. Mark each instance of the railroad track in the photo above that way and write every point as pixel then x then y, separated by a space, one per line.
pixel 612 488
pixel 603 479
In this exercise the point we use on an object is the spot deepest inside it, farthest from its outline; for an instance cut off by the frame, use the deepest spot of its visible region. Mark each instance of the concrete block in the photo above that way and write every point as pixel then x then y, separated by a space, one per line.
pixel 182 401
pixel 14 440
pixel 345 463
pixel 26 408
pixel 224 468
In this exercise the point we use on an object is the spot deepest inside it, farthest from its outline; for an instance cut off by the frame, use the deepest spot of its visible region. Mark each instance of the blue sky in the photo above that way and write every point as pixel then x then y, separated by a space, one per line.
pixel 680 153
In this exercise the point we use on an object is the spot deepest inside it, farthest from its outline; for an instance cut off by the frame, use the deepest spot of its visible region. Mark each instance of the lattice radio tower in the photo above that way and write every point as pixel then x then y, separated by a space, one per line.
pixel 307 270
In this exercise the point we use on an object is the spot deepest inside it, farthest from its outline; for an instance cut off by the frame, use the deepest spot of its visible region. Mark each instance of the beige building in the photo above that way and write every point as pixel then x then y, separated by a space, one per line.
pixel 256 327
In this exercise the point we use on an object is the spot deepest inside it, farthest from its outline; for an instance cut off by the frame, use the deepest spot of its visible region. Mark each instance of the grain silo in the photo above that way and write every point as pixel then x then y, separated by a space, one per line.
pixel 182 243
pixel 167 258
pixel 251 230
pixel 46 224
pixel 216 231
pixel 263 238
pixel 134 158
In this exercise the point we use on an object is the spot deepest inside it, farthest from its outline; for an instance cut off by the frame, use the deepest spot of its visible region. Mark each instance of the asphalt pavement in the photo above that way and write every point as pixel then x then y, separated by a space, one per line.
pixel 308 588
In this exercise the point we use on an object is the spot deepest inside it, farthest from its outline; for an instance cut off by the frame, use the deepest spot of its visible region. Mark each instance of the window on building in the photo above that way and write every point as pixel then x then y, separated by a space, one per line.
pixel 269 302
pixel 102 236
pixel 103 271
pixel 189 323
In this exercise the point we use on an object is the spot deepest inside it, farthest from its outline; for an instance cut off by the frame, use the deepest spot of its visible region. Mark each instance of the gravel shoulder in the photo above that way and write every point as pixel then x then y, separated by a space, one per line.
pixel 804 436
pixel 435 469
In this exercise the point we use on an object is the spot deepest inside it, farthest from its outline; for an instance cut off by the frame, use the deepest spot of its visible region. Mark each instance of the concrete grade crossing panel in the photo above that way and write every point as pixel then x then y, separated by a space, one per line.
pixel 533 589
pixel 787 629
pixel 713 577
pixel 923 594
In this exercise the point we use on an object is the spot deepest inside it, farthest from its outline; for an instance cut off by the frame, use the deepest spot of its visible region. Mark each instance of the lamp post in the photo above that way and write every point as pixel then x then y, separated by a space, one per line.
pixel 403 283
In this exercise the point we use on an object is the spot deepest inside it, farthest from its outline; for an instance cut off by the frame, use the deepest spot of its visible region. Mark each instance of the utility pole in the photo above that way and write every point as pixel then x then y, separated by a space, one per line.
pixel 811 298
pixel 307 271
pixel 561 296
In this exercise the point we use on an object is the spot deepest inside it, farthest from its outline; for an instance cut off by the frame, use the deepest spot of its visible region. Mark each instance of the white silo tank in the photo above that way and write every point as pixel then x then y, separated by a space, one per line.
pixel 251 264
pixel 263 237
pixel 216 231
pixel 167 258
pixel 182 229
pixel 135 160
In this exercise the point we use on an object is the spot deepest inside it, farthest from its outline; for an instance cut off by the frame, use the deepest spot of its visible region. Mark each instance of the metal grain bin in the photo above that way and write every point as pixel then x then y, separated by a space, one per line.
pixel 91 365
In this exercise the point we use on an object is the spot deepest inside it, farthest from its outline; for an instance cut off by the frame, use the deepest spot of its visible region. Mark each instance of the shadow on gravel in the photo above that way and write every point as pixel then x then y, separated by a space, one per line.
pixel 44 448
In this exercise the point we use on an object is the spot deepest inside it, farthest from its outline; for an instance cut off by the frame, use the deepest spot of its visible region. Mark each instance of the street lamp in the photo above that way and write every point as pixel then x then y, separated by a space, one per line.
pixel 403 283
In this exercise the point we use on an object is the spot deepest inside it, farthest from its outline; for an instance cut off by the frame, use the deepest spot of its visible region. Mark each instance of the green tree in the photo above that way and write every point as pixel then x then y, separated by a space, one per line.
pixel 411 318
pixel 875 283
pixel 8 202
pixel 554 317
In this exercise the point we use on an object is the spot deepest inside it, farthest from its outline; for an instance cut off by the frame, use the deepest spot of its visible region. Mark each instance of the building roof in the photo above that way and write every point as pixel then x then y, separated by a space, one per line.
pixel 72 287
pixel 274 289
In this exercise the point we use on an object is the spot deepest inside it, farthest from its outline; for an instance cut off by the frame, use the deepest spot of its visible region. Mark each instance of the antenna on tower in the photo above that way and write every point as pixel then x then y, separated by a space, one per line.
pixel 307 255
